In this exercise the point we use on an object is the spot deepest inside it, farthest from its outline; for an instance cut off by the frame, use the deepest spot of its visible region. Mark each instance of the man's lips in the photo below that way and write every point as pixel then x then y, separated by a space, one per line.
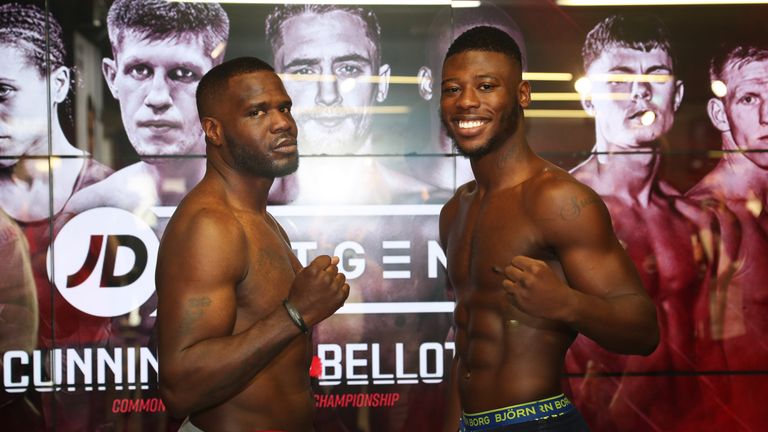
pixel 159 124
pixel 328 121
pixel 636 114
pixel 285 145
pixel 469 126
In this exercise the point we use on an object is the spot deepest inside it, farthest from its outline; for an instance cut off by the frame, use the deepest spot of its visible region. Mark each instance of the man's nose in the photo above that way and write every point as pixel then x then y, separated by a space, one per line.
pixel 468 99
pixel 328 91
pixel 282 121
pixel 763 111
pixel 159 95
pixel 640 90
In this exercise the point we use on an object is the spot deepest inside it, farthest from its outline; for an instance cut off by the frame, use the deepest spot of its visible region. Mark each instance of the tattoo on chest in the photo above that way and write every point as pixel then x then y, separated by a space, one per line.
pixel 195 309
pixel 572 209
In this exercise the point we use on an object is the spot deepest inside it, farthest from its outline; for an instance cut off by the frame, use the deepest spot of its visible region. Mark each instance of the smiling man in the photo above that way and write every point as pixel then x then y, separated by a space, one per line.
pixel 531 255
pixel 633 98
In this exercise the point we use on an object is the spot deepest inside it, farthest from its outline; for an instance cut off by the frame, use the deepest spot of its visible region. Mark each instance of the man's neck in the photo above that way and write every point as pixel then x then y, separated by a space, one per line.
pixel 509 165
pixel 627 176
pixel 244 192
pixel 739 177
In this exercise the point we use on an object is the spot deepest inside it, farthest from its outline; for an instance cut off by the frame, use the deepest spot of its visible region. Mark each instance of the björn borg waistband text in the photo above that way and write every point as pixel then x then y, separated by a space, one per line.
pixel 525 412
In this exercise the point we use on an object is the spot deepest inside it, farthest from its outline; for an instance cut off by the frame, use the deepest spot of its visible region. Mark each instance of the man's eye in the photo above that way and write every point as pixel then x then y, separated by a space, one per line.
pixel 140 72
pixel 183 74
pixel 305 71
pixel 5 91
pixel 348 71
pixel 450 89
pixel 748 100
pixel 285 109
pixel 256 113
pixel 486 86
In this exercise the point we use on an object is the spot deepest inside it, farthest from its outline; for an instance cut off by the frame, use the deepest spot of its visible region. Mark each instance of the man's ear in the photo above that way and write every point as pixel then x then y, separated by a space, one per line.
pixel 424 76
pixel 717 115
pixel 679 90
pixel 109 69
pixel 213 131
pixel 384 72
pixel 586 103
pixel 60 84
pixel 524 94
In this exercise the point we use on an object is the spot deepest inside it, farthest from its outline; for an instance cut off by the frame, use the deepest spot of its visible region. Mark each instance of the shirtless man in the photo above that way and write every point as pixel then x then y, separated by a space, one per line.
pixel 737 188
pixel 634 96
pixel 256 304
pixel 531 255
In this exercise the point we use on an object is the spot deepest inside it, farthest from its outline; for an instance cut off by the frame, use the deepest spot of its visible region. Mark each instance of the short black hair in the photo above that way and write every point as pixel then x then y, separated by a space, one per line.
pixel 214 83
pixel 488 39
pixel 640 32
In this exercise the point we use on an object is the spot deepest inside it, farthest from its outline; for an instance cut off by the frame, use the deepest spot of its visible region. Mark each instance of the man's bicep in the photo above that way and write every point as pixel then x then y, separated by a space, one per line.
pixel 604 272
pixel 578 226
pixel 197 280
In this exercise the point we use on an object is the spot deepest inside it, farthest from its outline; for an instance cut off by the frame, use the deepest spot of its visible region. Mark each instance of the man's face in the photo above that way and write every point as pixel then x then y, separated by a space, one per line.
pixel 634 96
pixel 480 102
pixel 332 61
pixel 23 108
pixel 155 82
pixel 746 107
pixel 257 124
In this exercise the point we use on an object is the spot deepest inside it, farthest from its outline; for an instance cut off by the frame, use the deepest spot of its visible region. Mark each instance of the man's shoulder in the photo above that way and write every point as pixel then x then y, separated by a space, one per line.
pixel 714 185
pixel 93 172
pixel 554 196
pixel 204 223
pixel 461 192
pixel 553 183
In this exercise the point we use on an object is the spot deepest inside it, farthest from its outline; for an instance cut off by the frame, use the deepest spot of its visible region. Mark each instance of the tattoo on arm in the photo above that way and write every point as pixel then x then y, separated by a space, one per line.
pixel 195 310
pixel 572 209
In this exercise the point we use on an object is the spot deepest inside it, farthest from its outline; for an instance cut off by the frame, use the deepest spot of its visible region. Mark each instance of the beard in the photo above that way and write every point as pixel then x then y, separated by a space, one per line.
pixel 509 118
pixel 250 161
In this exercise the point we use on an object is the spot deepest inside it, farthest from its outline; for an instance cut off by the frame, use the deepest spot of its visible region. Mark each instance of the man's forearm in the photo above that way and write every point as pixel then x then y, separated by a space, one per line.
pixel 625 323
pixel 215 370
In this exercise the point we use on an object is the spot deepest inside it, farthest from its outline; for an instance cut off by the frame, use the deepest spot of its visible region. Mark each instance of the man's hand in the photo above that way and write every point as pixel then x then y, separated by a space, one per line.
pixel 319 289
pixel 535 289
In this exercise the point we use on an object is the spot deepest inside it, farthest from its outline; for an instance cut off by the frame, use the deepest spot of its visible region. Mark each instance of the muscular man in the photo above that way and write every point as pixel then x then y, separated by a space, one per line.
pixel 242 294
pixel 531 254
pixel 634 96
pixel 738 189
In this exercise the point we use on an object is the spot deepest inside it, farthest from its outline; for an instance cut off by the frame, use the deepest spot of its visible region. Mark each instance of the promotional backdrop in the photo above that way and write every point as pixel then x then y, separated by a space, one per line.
pixel 662 110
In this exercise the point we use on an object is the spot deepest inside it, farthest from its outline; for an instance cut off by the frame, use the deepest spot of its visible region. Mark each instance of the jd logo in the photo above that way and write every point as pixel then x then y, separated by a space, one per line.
pixel 104 262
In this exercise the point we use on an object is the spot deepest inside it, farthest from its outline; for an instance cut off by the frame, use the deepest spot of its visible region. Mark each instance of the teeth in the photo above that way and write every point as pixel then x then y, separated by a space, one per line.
pixel 470 124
